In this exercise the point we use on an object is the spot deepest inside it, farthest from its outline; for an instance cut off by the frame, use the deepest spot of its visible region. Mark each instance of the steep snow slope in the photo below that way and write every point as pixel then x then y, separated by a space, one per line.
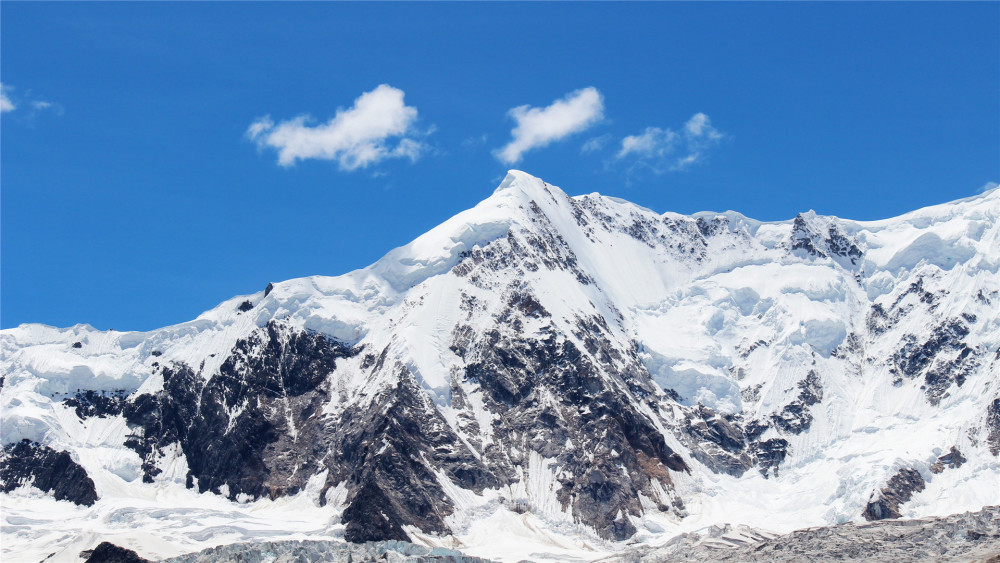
pixel 574 371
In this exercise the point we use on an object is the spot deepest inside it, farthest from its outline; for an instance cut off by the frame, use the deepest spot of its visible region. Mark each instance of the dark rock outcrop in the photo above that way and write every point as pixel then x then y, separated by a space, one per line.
pixel 943 359
pixel 993 426
pixel 97 403
pixel 769 454
pixel 238 428
pixel 897 491
pixel 30 463
pixel 881 319
pixel 951 460
pixel 548 392
pixel 718 441
pixel 388 454
pixel 107 552
pixel 795 416
pixel 828 242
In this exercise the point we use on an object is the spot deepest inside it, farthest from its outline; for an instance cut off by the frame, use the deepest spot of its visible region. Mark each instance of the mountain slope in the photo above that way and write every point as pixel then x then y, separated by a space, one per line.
pixel 577 369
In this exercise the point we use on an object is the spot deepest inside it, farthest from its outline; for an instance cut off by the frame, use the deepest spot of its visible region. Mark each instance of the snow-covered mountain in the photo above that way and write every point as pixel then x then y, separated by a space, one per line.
pixel 539 376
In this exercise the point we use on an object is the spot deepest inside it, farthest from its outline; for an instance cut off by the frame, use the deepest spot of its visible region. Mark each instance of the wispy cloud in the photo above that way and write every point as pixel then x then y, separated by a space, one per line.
pixel 664 150
pixel 378 126
pixel 26 106
pixel 538 127
pixel 5 103
pixel 472 142
pixel 595 144
pixel 988 186
pixel 653 142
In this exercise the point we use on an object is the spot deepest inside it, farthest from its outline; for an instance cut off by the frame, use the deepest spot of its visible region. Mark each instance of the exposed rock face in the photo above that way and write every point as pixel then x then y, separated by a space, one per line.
pixel 555 402
pixel 916 357
pixel 958 538
pixel 239 429
pixel 107 552
pixel 770 454
pixel 951 460
pixel 30 463
pixel 942 356
pixel 95 403
pixel 897 491
pixel 276 384
pixel 809 235
pixel 257 429
pixel 993 426
pixel 389 453
pixel 326 552
pixel 795 417
pixel 718 441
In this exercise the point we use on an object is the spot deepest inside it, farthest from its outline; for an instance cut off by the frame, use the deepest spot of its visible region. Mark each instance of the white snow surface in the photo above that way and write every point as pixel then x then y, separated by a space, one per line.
pixel 736 331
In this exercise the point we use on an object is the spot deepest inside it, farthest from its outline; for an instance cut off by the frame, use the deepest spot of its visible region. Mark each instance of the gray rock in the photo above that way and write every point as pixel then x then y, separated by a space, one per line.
pixel 302 551
pixel 972 536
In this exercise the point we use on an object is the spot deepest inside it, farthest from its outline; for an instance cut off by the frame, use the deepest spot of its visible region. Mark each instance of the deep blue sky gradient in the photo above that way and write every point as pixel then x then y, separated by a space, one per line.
pixel 136 200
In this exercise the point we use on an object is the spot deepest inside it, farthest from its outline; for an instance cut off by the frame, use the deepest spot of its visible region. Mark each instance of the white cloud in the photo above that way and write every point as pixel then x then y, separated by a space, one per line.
pixel 5 103
pixel 355 137
pixel 663 150
pixel 538 127
pixel 988 186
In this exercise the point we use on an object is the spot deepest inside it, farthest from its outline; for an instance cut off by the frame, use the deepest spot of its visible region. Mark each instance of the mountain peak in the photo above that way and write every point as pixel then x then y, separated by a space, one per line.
pixel 580 361
pixel 528 187
pixel 518 179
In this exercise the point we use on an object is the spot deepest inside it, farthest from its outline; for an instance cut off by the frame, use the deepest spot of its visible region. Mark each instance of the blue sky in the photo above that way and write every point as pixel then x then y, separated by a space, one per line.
pixel 155 160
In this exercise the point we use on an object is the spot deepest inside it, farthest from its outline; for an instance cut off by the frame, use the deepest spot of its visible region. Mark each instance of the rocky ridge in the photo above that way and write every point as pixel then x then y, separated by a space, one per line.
pixel 964 537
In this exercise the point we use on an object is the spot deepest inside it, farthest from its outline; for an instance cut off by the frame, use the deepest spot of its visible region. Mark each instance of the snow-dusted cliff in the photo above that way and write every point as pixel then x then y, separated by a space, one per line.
pixel 571 372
